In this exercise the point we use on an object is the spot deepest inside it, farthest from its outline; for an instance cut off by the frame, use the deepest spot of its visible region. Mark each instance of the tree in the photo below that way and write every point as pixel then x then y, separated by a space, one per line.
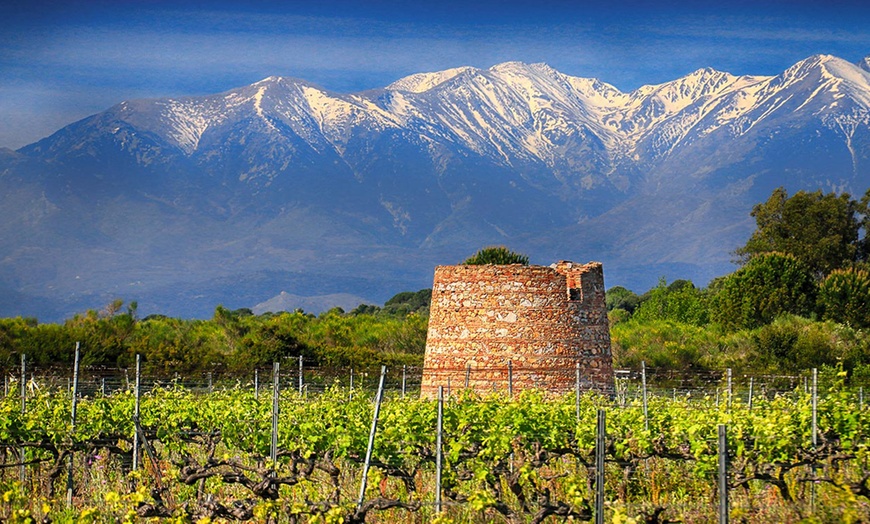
pixel 864 210
pixel 619 297
pixel 496 255
pixel 680 301
pixel 821 230
pixel 407 302
pixel 269 340
pixel 47 344
pixel 365 309
pixel 105 335
pixel 844 297
pixel 769 285
pixel 12 332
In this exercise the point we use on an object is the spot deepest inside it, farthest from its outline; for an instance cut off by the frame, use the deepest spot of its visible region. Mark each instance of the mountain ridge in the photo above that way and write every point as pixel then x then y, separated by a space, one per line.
pixel 285 178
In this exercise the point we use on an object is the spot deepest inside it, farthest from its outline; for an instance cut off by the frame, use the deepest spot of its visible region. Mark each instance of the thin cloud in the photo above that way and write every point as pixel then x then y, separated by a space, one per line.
pixel 745 32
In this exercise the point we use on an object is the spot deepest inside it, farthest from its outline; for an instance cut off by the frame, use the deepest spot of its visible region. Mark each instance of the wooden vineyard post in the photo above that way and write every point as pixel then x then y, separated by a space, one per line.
pixel 149 452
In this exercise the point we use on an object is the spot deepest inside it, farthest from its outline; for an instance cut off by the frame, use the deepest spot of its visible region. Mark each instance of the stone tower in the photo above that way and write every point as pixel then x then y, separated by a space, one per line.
pixel 534 323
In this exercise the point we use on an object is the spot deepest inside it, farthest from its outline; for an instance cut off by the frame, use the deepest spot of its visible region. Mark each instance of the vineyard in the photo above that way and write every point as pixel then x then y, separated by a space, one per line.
pixel 235 452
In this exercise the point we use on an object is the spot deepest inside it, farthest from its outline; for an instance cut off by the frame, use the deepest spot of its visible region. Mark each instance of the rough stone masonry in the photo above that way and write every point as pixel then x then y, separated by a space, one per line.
pixel 529 324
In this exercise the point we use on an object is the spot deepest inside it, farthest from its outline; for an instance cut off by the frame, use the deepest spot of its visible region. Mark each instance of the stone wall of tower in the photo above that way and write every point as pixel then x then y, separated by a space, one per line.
pixel 535 323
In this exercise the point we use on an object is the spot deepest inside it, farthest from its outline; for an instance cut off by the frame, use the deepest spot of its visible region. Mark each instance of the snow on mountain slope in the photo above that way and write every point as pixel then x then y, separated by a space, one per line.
pixel 849 81
pixel 420 82
pixel 283 175
pixel 515 114
pixel 821 89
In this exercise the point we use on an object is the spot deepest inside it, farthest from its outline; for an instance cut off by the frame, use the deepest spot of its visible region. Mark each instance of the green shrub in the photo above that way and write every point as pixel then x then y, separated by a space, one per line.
pixel 665 344
pixel 793 344
pixel 615 316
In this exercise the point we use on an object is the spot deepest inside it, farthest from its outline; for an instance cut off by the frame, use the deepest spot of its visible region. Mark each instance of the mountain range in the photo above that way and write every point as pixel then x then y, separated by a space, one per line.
pixel 282 186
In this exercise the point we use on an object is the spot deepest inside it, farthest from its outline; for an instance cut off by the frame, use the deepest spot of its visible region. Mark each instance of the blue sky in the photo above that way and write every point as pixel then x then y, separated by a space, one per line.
pixel 62 61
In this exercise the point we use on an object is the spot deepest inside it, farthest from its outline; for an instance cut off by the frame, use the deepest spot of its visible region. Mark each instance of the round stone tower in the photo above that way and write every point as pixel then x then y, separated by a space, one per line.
pixel 495 327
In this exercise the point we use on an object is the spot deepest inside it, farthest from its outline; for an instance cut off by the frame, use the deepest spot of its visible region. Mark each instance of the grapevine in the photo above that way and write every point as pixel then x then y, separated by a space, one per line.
pixel 525 459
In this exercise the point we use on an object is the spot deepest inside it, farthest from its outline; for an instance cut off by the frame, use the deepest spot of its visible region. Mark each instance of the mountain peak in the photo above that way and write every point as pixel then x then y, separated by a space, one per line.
pixel 817 61
pixel 708 79
pixel 865 63
pixel 676 95
pixel 268 80
pixel 276 81
pixel 707 72
pixel 831 70
pixel 421 82
pixel 516 66
pixel 510 64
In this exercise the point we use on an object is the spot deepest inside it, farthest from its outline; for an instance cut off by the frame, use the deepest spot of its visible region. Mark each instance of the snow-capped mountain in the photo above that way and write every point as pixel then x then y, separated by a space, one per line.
pixel 287 179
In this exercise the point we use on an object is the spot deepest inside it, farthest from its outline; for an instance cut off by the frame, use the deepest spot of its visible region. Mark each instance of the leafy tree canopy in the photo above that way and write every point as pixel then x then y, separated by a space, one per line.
pixel 821 230
pixel 768 286
pixel 409 302
pixel 844 296
pixel 680 301
pixel 619 297
pixel 497 255
pixel 400 305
